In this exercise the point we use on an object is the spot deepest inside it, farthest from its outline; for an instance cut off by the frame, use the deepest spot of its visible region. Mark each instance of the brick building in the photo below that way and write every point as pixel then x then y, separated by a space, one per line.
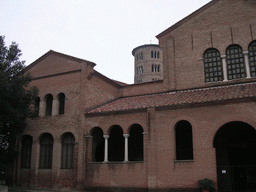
pixel 196 122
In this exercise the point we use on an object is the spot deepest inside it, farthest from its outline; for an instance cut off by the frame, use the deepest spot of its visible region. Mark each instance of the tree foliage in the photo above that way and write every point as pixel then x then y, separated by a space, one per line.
pixel 15 100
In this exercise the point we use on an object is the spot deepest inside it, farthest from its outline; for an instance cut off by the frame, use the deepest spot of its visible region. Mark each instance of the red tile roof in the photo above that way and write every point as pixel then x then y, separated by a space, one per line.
pixel 179 98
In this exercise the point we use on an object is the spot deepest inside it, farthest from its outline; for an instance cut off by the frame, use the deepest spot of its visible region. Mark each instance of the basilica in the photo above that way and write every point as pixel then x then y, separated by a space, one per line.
pixel 190 114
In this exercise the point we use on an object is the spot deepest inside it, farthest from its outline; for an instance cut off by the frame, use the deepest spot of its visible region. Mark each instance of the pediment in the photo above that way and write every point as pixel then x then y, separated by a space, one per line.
pixel 53 63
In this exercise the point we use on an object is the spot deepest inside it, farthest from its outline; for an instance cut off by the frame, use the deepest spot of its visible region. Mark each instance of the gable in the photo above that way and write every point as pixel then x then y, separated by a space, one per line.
pixel 218 25
pixel 53 63
pixel 216 13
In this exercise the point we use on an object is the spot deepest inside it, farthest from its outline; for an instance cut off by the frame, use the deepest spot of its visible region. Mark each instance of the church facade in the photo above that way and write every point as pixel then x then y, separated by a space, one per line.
pixel 189 115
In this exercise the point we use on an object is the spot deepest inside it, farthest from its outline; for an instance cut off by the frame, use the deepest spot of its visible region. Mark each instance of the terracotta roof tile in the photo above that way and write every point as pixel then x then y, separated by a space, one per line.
pixel 195 96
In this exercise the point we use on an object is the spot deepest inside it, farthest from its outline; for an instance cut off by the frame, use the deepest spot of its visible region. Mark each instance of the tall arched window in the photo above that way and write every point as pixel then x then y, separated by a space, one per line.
pixel 212 65
pixel 252 58
pixel 140 69
pixel 184 141
pixel 155 68
pixel 97 144
pixel 46 146
pixel 26 151
pixel 48 107
pixel 61 98
pixel 116 144
pixel 67 155
pixel 135 143
pixel 235 62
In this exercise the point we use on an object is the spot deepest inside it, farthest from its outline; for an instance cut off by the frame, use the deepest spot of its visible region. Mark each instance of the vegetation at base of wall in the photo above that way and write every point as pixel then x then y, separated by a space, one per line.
pixel 206 184
pixel 15 102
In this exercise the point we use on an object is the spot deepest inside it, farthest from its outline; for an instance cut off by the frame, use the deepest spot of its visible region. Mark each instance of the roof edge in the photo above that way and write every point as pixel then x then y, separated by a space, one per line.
pixel 59 54
pixel 106 79
pixel 187 18
pixel 146 45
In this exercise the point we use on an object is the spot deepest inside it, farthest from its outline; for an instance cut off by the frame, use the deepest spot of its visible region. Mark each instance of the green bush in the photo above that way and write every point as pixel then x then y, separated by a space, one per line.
pixel 206 184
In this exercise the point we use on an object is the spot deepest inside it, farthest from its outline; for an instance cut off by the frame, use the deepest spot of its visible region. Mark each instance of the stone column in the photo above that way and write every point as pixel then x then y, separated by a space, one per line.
pixel 106 148
pixel 247 65
pixel 224 65
pixel 126 147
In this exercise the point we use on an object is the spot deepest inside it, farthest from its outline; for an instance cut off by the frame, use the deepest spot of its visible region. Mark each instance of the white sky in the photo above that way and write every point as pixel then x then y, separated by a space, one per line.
pixel 102 31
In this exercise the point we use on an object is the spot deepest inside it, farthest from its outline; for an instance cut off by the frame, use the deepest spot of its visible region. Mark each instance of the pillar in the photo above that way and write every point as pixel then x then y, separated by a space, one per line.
pixel 126 147
pixel 247 65
pixel 224 65
pixel 106 148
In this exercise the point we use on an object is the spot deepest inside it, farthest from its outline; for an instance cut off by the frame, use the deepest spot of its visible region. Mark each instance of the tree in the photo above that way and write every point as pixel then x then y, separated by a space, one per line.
pixel 15 101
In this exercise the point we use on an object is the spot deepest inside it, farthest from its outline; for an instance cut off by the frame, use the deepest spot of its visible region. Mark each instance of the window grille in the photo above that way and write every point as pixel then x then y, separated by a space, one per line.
pixel 252 58
pixel 212 66
pixel 235 62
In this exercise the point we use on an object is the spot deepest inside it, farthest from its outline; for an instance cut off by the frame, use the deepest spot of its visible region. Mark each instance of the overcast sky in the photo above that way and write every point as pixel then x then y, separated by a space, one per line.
pixel 102 31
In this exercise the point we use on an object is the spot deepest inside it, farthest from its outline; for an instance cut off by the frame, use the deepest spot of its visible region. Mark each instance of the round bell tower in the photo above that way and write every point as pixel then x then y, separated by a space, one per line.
pixel 148 63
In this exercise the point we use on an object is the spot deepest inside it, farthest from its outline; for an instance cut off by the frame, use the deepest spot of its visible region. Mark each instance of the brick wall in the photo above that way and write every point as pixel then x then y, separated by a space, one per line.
pixel 220 25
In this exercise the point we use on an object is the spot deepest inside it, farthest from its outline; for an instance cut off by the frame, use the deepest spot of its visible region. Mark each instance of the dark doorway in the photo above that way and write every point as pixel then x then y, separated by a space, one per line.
pixel 235 144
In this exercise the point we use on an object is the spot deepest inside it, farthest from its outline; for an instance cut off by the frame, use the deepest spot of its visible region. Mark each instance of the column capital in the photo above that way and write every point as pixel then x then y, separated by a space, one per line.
pixel 126 135
pixel 223 56
pixel 246 52
pixel 106 136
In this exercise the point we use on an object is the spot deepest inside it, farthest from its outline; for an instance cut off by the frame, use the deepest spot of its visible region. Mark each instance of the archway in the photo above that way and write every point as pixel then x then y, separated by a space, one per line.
pixel 235 144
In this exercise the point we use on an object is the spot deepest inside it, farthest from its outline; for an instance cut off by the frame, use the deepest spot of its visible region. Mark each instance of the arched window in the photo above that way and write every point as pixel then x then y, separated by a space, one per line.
pixel 140 69
pixel 155 68
pixel 48 107
pixel 252 58
pixel 235 62
pixel 212 66
pixel 97 144
pixel 116 144
pixel 46 146
pixel 135 143
pixel 184 141
pixel 61 98
pixel 37 104
pixel 67 155
pixel 26 151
